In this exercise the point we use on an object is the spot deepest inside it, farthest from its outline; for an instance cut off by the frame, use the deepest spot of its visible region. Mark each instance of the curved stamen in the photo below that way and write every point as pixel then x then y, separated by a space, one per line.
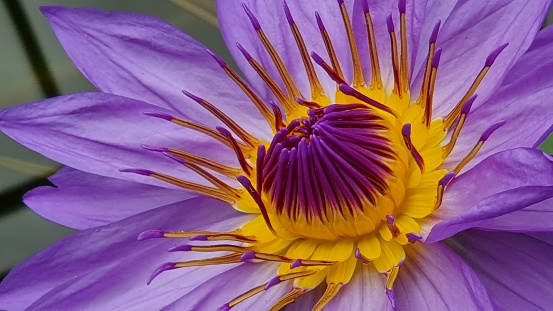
pixel 391 277
pixel 441 188
pixel 464 113
pixel 257 198
pixel 421 100
pixel 279 121
pixel 348 90
pixel 395 57
pixel 331 291
pixel 205 190
pixel 243 134
pixel 196 127
pixel 271 84
pixel 361 257
pixel 335 76
pixel 406 132
pixel 317 91
pixel 256 100
pixel 228 171
pixel 431 85
pixel 478 145
pixel 329 48
pixel 227 259
pixel 376 82
pixel 210 248
pixel 452 116
pixel 404 64
pixel 246 167
pixel 358 78
pixel 289 84
pixel 287 299
pixel 205 174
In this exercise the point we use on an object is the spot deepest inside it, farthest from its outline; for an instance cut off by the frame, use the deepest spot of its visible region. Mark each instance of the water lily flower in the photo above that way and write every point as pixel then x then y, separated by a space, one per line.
pixel 378 155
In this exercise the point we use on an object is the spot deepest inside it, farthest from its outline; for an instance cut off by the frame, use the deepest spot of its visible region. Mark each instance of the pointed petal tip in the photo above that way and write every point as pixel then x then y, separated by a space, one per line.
pixel 492 129
pixel 155 148
pixel 218 59
pixel 274 281
pixel 436 58
pixel 319 21
pixel 248 256
pixel 199 238
pixel 289 17
pixel 192 96
pixel 390 23
pixel 247 55
pixel 494 54
pixel 253 19
pixel 223 131
pixel 435 31
pixel 180 248
pixel 468 105
pixel 163 116
pixel 137 171
pixel 225 307
pixel 296 263
pixel 150 234
pixel 406 132
pixel 164 267
pixel 174 158
pixel 447 178
pixel 401 4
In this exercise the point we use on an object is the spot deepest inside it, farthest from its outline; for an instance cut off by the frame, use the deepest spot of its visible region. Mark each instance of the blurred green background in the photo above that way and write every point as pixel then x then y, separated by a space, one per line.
pixel 35 66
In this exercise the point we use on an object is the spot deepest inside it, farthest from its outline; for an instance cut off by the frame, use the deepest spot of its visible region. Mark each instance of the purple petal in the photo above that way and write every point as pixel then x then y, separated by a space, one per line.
pixel 366 285
pixel 81 200
pixel 515 268
pixel 471 33
pixel 102 133
pixel 433 277
pixel 142 57
pixel 501 184
pixel 534 218
pixel 107 268
pixel 213 294
pixel 421 16
pixel 523 100
pixel 236 27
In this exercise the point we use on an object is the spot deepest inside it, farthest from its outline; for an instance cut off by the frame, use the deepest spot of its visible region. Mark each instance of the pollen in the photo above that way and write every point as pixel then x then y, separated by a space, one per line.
pixel 347 177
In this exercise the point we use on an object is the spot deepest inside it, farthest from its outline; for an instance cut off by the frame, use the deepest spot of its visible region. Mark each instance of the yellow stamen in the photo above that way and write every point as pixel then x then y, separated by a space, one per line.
pixel 220 248
pixel 317 91
pixel 329 48
pixel 430 95
pixel 395 61
pixel 243 134
pixel 205 190
pixel 358 78
pixel 256 100
pixel 287 299
pixel 289 84
pixel 252 292
pixel 232 258
pixel 404 54
pixel 331 291
pixel 376 82
pixel 288 103
pixel 228 171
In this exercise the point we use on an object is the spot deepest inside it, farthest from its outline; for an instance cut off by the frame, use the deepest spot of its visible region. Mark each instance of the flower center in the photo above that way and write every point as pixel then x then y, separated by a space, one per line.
pixel 346 179
pixel 330 175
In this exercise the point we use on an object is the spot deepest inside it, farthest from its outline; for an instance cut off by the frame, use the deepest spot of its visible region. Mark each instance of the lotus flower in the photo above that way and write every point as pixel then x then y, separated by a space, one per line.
pixel 379 155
